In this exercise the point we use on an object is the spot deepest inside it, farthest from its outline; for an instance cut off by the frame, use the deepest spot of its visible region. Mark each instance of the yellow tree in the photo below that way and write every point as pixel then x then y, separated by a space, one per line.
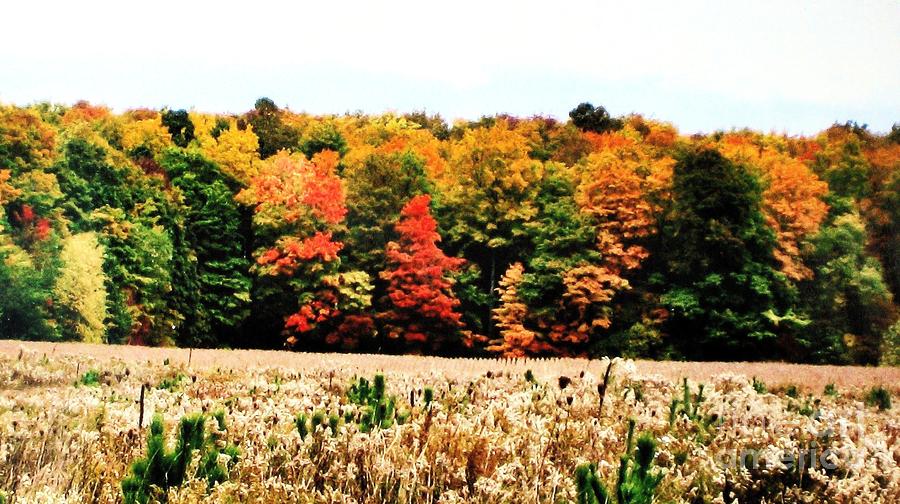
pixel 793 207
pixel 486 201
pixel 614 189
pixel 25 140
pixel 149 134
pixel 235 150
pixel 514 339
pixel 80 293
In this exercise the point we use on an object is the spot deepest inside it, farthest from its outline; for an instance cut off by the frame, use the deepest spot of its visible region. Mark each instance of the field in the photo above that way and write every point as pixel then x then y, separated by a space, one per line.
pixel 495 430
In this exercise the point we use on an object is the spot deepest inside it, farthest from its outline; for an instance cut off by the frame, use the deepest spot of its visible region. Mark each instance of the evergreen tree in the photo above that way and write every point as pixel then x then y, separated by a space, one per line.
pixel 718 274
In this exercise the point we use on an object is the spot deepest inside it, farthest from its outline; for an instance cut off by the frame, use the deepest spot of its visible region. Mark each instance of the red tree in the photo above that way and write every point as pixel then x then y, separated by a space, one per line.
pixel 305 201
pixel 423 307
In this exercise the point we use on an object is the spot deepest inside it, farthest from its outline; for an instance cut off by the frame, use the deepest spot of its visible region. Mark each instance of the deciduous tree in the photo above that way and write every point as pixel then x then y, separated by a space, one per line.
pixel 424 309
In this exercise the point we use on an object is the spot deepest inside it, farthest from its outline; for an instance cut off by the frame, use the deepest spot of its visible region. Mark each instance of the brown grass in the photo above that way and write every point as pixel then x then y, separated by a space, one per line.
pixel 773 374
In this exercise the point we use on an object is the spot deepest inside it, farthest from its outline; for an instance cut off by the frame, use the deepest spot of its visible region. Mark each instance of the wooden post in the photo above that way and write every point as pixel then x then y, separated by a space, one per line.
pixel 141 415
pixel 190 354
pixel 601 389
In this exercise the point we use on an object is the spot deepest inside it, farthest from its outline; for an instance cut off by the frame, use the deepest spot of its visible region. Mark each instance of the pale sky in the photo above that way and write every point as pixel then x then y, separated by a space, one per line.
pixel 787 66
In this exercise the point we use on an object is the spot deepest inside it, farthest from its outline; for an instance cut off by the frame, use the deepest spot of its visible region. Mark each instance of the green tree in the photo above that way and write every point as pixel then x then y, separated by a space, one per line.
pixel 24 295
pixel 716 264
pixel 274 135
pixel 377 189
pixel 212 222
pixel 590 118
pixel 847 299
pixel 323 136
pixel 179 125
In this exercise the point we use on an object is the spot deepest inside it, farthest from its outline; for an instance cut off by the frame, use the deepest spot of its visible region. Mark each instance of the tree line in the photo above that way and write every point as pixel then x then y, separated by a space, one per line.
pixel 397 233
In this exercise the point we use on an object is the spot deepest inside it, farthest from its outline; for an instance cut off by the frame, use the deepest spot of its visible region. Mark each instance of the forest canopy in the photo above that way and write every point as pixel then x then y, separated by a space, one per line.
pixel 401 233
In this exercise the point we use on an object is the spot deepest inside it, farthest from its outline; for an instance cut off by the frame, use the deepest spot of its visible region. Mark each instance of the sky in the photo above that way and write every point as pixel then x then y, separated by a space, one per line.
pixel 786 66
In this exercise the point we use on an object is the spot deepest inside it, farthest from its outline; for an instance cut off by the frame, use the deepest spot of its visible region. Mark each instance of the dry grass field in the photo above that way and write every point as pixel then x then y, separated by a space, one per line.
pixel 806 377
pixel 444 430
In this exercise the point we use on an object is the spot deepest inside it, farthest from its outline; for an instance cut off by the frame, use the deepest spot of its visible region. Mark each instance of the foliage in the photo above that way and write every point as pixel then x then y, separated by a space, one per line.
pixel 25 140
pixel 718 272
pixel 593 236
pixel 596 119
pixel 269 126
pixel 152 476
pixel 80 294
pixel 323 136
pixel 212 231
pixel 848 301
pixel 880 397
pixel 90 378
pixel 890 346
pixel 423 308
pixel 180 127
pixel 515 340
pixel 793 206
pixel 636 482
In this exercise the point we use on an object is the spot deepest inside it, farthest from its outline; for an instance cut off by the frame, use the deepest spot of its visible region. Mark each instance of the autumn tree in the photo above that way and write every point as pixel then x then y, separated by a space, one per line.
pixel 485 199
pixel 614 191
pixel 423 311
pixel 882 210
pixel 80 292
pixel 145 137
pixel 565 286
pixel 298 205
pixel 25 140
pixel 515 340
pixel 235 150
pixel 794 208
pixel 82 111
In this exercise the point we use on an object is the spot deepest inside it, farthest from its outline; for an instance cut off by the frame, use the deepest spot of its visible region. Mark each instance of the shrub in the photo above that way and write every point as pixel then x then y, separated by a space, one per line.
pixel 688 406
pixel 880 397
pixel 636 482
pixel 161 469
pixel 759 386
pixel 302 423
pixel 90 378
pixel 376 409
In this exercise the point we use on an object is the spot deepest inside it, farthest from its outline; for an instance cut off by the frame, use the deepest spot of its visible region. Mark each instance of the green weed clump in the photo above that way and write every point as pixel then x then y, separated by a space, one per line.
pixel 636 482
pixel 171 383
pixel 90 378
pixel 152 476
pixel 880 397
pixel 373 410
pixel 759 386
pixel 302 423
pixel 688 406
pixel 377 410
